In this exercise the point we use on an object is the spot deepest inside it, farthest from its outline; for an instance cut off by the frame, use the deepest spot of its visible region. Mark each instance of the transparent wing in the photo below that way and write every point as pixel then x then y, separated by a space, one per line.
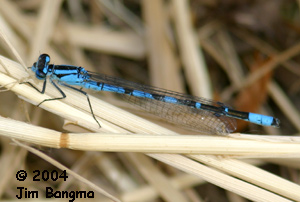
pixel 192 118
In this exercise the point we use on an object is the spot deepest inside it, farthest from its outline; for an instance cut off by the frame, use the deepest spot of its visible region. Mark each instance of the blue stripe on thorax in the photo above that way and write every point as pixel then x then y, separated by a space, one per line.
pixel 67 69
pixel 71 75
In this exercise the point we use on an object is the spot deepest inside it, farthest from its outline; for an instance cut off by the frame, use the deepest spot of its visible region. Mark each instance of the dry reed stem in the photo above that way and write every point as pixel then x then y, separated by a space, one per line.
pixel 147 143
pixel 220 179
pixel 164 67
pixel 194 65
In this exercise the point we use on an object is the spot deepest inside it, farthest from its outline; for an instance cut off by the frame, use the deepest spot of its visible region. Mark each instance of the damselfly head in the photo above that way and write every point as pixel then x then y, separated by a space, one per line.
pixel 41 67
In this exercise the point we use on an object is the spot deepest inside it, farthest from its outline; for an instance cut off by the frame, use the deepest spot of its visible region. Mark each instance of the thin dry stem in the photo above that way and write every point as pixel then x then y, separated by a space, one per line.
pixel 195 68
pixel 166 143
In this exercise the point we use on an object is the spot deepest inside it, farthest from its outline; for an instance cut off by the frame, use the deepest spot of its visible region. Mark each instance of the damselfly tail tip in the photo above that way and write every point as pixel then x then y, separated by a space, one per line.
pixel 276 123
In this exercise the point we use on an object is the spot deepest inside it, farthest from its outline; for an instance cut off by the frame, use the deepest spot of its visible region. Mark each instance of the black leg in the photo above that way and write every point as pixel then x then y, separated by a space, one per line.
pixel 57 98
pixel 87 97
pixel 42 91
pixel 63 95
